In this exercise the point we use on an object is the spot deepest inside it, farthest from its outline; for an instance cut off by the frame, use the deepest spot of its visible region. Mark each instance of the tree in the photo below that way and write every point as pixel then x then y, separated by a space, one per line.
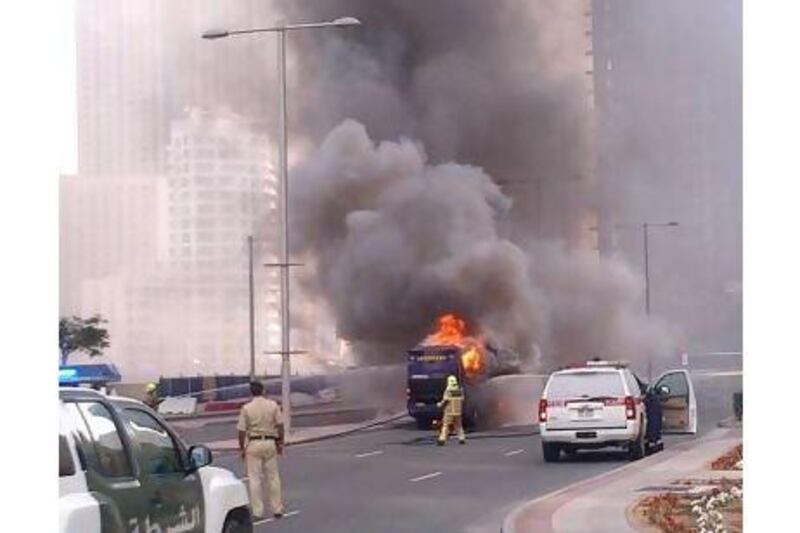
pixel 84 334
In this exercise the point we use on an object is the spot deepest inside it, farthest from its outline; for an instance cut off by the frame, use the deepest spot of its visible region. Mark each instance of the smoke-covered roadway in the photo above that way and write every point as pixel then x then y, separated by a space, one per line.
pixel 394 478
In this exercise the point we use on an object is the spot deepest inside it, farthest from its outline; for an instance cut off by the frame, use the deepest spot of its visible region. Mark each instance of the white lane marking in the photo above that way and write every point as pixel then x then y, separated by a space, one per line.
pixel 369 454
pixel 426 476
pixel 287 515
pixel 513 452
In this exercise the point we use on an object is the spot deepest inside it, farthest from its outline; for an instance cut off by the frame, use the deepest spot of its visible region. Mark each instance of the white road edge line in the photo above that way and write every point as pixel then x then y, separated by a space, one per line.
pixel 368 454
pixel 426 476
pixel 513 452
pixel 265 520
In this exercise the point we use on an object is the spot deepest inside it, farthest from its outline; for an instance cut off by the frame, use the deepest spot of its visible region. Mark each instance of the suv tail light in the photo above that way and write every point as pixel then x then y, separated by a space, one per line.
pixel 630 408
pixel 542 410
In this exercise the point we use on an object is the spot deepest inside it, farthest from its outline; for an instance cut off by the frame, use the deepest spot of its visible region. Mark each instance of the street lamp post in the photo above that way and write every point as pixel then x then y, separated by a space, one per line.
pixel 645 228
pixel 283 184
pixel 252 307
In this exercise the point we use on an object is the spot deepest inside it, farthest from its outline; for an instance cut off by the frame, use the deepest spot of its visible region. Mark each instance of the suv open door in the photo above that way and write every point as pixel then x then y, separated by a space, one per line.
pixel 675 392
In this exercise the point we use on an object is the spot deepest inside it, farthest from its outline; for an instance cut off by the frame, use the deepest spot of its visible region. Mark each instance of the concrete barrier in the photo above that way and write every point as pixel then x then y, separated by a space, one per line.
pixel 178 406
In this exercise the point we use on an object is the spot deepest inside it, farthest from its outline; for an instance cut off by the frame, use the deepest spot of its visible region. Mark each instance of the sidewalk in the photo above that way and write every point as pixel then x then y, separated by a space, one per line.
pixel 600 504
pixel 313 434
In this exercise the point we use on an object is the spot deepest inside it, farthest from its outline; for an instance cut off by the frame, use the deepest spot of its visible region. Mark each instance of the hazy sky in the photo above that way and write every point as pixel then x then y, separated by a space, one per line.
pixel 68 134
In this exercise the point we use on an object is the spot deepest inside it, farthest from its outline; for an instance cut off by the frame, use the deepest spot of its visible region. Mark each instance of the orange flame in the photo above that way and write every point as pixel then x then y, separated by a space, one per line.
pixel 472 361
pixel 452 330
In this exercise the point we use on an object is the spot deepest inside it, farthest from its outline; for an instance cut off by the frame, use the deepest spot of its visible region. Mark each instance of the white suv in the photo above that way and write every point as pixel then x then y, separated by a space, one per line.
pixel 602 405
pixel 122 468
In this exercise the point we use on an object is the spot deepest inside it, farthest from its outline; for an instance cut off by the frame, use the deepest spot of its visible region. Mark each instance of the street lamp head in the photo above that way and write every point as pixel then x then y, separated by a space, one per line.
pixel 346 21
pixel 215 34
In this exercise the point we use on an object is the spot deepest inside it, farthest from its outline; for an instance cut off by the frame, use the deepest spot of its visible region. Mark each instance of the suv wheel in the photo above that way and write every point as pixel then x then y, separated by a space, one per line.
pixel 636 449
pixel 550 451
pixel 572 452
pixel 237 521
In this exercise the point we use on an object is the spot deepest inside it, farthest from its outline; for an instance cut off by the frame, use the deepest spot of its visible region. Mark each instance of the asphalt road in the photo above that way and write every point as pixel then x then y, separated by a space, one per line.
pixel 395 479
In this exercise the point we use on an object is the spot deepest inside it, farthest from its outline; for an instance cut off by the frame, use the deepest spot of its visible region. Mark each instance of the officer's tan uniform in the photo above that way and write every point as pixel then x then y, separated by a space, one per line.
pixel 260 418
pixel 452 401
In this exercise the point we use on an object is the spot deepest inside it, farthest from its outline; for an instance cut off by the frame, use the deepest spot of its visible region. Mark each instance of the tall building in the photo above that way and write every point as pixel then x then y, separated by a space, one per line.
pixel 122 115
pixel 140 62
pixel 222 190
pixel 106 227
pixel 668 97
pixel 109 232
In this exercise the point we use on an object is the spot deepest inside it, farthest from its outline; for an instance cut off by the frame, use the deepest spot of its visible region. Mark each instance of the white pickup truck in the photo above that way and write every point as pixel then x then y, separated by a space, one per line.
pixel 123 469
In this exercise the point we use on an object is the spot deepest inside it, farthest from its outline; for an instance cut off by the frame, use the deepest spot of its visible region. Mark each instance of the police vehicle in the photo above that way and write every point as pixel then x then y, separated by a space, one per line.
pixel 123 469
pixel 603 404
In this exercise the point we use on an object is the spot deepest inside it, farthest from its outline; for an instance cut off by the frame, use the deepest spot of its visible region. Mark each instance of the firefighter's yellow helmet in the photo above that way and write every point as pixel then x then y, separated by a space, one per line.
pixel 151 387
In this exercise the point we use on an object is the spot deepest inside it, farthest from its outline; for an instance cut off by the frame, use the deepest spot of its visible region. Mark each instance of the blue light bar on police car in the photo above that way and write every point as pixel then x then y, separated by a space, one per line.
pixel 67 374
pixel 88 374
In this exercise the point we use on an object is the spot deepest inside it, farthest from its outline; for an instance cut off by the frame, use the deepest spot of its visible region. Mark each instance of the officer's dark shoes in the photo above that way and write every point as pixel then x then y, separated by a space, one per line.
pixel 462 441
pixel 440 443
pixel 278 515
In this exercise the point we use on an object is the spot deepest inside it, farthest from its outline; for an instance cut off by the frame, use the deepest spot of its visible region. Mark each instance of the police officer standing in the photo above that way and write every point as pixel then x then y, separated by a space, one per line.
pixel 452 401
pixel 260 442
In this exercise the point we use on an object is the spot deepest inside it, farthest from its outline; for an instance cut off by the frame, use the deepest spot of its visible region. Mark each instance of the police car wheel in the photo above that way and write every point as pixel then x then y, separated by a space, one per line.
pixel 571 451
pixel 636 448
pixel 550 451
pixel 237 523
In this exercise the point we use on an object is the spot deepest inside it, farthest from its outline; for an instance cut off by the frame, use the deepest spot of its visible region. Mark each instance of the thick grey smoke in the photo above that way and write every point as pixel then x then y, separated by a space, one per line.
pixel 593 308
pixel 395 242
pixel 398 242
pixel 399 234
pixel 494 97
pixel 495 84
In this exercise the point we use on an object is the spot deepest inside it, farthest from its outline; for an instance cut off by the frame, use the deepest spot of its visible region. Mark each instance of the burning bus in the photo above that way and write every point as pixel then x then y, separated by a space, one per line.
pixel 452 350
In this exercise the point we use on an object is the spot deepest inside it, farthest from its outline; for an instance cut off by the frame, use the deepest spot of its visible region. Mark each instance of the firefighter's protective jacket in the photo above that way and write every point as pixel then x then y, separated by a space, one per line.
pixel 453 398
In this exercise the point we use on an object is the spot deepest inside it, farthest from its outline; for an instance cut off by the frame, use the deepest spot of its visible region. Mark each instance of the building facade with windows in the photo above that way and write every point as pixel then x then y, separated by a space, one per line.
pixel 668 100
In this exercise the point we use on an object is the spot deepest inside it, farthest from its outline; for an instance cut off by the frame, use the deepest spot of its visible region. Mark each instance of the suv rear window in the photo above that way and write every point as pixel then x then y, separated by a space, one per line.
pixel 585 384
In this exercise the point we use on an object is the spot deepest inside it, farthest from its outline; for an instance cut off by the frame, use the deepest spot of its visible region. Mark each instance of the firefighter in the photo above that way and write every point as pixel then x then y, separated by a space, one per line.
pixel 452 402
pixel 151 395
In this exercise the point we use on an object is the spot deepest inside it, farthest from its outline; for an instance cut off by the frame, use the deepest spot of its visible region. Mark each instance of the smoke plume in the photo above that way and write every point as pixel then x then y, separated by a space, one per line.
pixel 398 233
pixel 473 190
pixel 398 242
pixel 394 242
pixel 500 85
